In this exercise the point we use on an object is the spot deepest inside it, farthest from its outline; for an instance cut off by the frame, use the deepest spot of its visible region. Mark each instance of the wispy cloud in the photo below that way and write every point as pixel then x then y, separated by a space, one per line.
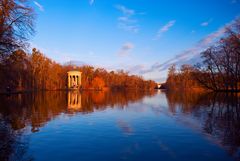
pixel 206 23
pixel 136 69
pixel 40 7
pixel 165 28
pixel 91 2
pixel 126 48
pixel 234 1
pixel 192 54
pixel 130 28
pixel 126 21
pixel 125 10
pixel 211 37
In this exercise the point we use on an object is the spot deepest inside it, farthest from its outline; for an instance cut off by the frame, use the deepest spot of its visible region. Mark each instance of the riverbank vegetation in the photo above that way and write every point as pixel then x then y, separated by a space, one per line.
pixel 219 69
pixel 21 70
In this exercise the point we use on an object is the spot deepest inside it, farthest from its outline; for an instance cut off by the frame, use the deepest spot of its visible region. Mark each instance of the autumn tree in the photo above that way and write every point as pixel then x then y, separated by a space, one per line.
pixel 34 71
pixel 87 75
pixel 16 25
pixel 182 79
pixel 219 69
pixel 221 62
pixel 15 68
pixel 172 76
pixel 98 83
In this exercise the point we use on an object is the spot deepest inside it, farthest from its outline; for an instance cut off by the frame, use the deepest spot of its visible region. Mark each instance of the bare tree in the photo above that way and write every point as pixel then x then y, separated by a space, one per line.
pixel 221 62
pixel 16 25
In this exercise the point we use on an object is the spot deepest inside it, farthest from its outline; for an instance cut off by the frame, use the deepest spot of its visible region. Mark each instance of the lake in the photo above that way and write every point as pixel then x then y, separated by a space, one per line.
pixel 123 125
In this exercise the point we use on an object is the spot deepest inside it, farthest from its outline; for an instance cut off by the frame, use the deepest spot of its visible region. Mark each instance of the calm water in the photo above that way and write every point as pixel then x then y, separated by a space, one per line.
pixel 112 126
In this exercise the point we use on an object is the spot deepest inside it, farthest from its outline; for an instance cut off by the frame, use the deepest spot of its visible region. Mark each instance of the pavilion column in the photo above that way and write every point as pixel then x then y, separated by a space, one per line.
pixel 74 80
pixel 77 81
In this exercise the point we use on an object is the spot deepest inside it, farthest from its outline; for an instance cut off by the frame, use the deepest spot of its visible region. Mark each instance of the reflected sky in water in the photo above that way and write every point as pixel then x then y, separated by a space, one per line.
pixel 126 125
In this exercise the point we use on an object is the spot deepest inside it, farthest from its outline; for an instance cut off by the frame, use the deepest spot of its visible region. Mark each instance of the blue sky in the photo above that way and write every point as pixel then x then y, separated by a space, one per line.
pixel 139 36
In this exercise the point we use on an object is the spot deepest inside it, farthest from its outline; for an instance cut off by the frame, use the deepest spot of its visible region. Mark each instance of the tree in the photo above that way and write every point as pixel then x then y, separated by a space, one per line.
pixel 16 25
pixel 220 68
pixel 221 62
pixel 34 71
pixel 184 79
pixel 172 77
pixel 15 67
pixel 98 83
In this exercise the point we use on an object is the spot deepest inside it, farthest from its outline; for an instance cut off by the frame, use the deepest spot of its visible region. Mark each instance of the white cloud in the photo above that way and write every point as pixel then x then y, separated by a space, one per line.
pixel 126 48
pixel 211 37
pixel 130 28
pixel 126 21
pixel 125 10
pixel 206 23
pixel 40 7
pixel 165 28
pixel 91 2
pixel 136 68
pixel 191 55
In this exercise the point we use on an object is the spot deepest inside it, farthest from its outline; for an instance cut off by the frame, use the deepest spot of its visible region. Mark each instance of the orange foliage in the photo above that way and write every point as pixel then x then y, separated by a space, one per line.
pixel 98 83
pixel 23 71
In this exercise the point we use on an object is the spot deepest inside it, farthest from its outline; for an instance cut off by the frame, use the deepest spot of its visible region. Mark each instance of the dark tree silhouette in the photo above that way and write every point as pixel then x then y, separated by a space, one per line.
pixel 220 68
pixel 16 25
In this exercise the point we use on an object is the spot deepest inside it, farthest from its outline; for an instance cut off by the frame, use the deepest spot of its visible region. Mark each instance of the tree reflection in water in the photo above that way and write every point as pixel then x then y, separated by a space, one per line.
pixel 217 113
pixel 34 110
pixel 11 146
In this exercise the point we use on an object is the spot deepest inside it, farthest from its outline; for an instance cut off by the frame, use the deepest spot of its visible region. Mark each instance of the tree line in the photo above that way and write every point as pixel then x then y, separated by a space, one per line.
pixel 219 69
pixel 21 70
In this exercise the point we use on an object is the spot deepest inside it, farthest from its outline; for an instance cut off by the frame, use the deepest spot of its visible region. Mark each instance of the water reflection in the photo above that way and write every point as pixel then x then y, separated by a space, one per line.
pixel 35 109
pixel 215 116
pixel 74 100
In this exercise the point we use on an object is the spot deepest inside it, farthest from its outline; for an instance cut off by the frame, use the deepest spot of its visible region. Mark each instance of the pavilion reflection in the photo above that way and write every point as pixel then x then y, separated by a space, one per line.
pixel 218 115
pixel 31 111
pixel 36 109
pixel 74 100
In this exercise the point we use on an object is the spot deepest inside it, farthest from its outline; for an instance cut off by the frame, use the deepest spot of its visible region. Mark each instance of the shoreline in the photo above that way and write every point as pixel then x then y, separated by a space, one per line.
pixel 68 90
